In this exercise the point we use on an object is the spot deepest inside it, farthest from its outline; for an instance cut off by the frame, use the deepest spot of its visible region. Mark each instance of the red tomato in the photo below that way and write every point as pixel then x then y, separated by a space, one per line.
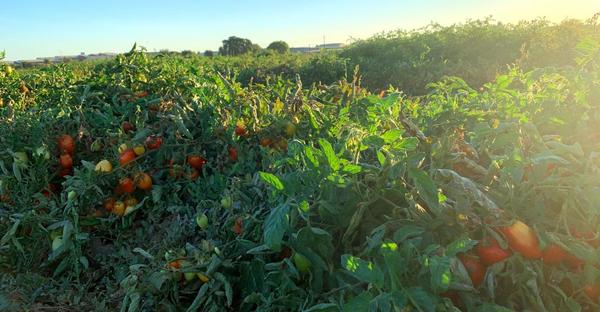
pixel 127 127
pixel 588 236
pixel 451 294
pixel 575 263
pixel 66 144
pixel 237 227
pixel 266 142
pixel 240 130
pixel 109 204
pixel 592 291
pixel 153 142
pixel 196 161
pixel 554 254
pixel 65 172
pixel 475 269
pixel 285 253
pixel 490 252
pixel 522 239
pixel 126 185
pixel 143 181
pixel 66 162
pixel 194 174
pixel 233 154
pixel 127 156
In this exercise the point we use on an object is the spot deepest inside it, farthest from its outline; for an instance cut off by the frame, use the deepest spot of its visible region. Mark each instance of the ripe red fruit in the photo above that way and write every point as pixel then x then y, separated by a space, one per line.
pixel 490 252
pixel 237 227
pixel 196 161
pixel 66 144
pixel 240 130
pixel 522 239
pixel 153 142
pixel 233 154
pixel 126 185
pixel 592 291
pixel 554 254
pixel 65 172
pixel 127 127
pixel 475 268
pixel 575 263
pixel 194 174
pixel 66 162
pixel 143 181
pixel 109 204
pixel 588 236
pixel 127 156
pixel 264 142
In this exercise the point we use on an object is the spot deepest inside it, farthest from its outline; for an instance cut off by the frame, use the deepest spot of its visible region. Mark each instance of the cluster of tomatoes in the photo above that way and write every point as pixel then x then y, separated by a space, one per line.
pixel 522 239
pixel 66 148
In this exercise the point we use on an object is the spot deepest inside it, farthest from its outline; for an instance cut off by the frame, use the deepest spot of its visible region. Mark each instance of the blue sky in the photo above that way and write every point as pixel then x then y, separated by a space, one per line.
pixel 31 29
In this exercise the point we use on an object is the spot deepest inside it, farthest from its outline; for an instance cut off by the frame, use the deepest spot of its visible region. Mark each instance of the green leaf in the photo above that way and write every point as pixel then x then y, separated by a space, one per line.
pixel 421 299
pixel 426 187
pixel 332 159
pixel 323 307
pixel 439 268
pixel 359 303
pixel 275 226
pixel 407 231
pixel 271 179
pixel 460 245
pixel 352 168
pixel 365 271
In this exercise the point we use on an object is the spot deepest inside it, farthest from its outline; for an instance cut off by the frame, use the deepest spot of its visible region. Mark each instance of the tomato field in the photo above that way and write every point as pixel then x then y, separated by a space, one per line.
pixel 163 184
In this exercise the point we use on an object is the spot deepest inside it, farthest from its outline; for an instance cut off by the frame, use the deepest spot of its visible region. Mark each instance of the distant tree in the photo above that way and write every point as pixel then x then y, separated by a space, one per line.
pixel 187 53
pixel 279 47
pixel 237 46
pixel 209 53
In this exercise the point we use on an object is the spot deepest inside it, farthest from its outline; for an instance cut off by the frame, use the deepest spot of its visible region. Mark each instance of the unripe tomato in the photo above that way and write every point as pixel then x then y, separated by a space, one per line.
pixel 289 129
pixel 126 157
pixel 127 127
pixel 153 142
pixel 104 166
pixel 66 144
pixel 8 70
pixel 143 181
pixel 123 147
pixel 189 276
pixel 282 145
pixel 42 151
pixel 55 233
pixel 226 202
pixel 175 170
pixel 522 239
pixel 109 204
pixel 301 262
pixel 203 278
pixel 66 162
pixel 126 185
pixel 490 252
pixel 96 146
pixel 119 208
pixel 202 221
pixel 72 195
pixel 139 150
pixel 21 159
pixel 554 254
pixel 475 269
pixel 56 243
pixel 196 161
pixel 131 201
pixel 233 154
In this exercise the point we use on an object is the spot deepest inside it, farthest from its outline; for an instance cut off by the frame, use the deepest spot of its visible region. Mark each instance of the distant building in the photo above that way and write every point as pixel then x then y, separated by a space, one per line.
pixel 317 48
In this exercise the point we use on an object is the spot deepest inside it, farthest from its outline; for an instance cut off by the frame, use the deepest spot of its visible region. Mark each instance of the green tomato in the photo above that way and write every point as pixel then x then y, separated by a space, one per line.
pixel 96 146
pixel 301 262
pixel 189 276
pixel 72 195
pixel 226 202
pixel 21 158
pixel 289 129
pixel 42 151
pixel 202 220
pixel 55 233
pixel 56 243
